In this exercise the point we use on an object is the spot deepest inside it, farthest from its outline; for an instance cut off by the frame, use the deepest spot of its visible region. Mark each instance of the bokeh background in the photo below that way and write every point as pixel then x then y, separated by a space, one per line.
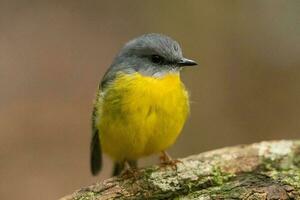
pixel 53 54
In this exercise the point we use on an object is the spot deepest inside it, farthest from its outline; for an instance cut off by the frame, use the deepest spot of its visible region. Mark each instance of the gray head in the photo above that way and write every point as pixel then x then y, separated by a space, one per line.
pixel 151 55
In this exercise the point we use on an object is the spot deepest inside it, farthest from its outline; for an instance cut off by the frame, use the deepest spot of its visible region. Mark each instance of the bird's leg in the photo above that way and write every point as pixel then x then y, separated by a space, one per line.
pixel 166 160
pixel 127 166
pixel 130 168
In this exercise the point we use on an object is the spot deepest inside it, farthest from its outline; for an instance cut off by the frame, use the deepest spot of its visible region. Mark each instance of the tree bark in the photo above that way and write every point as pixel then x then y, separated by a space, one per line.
pixel 266 170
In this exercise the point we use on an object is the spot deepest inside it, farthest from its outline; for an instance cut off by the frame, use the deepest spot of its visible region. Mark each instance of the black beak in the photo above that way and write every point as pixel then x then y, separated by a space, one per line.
pixel 186 62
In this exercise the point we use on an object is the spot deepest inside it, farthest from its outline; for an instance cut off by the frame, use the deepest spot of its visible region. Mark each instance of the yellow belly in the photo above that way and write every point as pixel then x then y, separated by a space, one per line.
pixel 140 115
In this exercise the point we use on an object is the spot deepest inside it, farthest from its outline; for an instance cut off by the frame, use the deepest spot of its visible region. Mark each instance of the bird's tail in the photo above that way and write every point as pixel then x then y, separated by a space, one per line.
pixel 120 166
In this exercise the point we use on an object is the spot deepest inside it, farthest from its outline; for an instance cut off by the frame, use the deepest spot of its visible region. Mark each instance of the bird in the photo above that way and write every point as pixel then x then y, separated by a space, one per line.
pixel 141 104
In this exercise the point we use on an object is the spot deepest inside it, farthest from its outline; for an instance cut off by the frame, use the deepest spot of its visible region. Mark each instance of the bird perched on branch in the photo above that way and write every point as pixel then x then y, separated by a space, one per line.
pixel 141 104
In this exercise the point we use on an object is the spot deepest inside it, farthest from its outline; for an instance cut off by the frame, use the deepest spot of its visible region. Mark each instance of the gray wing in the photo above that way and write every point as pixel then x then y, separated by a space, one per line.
pixel 95 148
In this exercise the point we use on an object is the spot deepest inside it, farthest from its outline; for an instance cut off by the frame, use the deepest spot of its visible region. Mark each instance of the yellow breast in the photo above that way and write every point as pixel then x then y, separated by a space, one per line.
pixel 141 115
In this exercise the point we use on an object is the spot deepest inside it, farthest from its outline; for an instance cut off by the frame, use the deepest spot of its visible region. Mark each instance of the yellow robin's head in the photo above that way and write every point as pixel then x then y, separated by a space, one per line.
pixel 151 55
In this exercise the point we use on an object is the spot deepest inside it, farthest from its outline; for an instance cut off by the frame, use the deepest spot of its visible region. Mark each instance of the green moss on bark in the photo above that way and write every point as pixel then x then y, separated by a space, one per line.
pixel 266 170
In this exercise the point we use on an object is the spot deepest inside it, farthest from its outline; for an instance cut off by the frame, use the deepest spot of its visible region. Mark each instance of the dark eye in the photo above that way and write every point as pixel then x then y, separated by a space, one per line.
pixel 157 59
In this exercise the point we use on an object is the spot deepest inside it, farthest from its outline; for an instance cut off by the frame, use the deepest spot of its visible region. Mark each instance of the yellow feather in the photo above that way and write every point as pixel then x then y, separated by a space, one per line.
pixel 141 115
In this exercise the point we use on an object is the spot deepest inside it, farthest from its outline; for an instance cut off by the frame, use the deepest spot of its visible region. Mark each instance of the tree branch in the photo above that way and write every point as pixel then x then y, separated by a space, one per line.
pixel 266 170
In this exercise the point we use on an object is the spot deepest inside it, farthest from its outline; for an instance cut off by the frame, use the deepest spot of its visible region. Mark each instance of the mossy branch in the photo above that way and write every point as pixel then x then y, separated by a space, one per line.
pixel 266 170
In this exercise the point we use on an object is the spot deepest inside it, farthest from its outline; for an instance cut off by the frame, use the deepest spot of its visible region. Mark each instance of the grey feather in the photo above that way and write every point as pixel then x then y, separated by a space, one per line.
pixel 135 56
pixel 95 147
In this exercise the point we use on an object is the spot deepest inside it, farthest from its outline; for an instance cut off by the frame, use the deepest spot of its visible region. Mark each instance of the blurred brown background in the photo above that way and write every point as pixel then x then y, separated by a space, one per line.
pixel 53 54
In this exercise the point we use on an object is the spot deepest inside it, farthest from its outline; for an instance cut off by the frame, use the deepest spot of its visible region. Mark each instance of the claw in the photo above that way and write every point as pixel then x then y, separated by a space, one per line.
pixel 166 160
pixel 129 171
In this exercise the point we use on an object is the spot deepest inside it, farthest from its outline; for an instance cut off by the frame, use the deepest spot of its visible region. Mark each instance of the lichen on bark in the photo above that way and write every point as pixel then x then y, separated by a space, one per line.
pixel 266 170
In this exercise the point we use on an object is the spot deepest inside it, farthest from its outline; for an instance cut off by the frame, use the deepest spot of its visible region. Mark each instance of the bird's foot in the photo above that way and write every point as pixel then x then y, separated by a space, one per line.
pixel 166 160
pixel 129 171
